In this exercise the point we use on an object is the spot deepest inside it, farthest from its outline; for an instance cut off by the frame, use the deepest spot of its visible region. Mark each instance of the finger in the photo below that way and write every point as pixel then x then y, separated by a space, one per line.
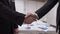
pixel 29 20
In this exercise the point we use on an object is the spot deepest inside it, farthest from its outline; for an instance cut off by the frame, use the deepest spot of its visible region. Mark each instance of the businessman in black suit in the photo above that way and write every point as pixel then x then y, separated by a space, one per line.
pixel 46 8
pixel 9 18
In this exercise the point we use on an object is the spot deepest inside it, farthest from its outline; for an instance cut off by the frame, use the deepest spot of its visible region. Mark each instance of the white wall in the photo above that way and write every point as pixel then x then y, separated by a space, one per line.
pixel 24 6
pixel 51 16
pixel 28 5
pixel 19 6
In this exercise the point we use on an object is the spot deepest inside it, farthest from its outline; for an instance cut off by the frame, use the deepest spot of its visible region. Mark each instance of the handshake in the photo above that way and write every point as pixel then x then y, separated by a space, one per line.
pixel 30 17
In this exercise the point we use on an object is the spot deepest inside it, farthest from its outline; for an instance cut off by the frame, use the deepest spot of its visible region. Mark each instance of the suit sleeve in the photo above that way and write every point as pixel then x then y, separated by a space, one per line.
pixel 46 8
pixel 11 15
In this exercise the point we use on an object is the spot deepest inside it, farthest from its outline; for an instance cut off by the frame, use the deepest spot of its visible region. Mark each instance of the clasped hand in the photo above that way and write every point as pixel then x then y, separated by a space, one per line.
pixel 30 17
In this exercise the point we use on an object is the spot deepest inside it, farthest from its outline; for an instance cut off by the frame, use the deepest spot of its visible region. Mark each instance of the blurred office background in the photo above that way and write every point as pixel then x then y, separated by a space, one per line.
pixel 24 6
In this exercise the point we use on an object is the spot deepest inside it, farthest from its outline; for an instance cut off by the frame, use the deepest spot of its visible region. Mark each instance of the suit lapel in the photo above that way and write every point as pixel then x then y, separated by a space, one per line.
pixel 12 4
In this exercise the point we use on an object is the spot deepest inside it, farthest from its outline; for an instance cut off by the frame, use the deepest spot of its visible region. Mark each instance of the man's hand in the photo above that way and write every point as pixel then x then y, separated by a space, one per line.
pixel 16 31
pixel 29 18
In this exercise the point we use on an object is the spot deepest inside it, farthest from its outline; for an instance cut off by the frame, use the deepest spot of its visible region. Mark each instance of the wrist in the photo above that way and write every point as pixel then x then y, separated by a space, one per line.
pixel 36 15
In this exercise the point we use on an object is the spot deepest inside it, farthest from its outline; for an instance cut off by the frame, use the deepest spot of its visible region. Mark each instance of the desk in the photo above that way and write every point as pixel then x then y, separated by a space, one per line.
pixel 36 30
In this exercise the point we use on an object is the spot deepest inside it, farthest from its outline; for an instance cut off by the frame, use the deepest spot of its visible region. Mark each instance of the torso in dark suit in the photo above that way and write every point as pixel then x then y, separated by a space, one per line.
pixel 47 7
pixel 9 18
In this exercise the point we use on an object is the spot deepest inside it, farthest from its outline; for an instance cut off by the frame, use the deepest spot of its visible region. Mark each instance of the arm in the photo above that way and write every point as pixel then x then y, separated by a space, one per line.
pixel 11 15
pixel 45 9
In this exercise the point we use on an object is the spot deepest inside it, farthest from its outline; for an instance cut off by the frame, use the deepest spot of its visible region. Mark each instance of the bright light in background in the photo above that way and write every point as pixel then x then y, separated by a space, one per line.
pixel 19 6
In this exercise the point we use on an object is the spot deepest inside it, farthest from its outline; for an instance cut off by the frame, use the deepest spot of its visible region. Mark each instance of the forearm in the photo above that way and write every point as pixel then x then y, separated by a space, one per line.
pixel 46 8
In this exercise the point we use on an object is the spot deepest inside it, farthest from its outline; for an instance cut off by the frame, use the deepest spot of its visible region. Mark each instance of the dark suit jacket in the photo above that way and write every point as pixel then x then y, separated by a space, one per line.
pixel 9 18
pixel 47 7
